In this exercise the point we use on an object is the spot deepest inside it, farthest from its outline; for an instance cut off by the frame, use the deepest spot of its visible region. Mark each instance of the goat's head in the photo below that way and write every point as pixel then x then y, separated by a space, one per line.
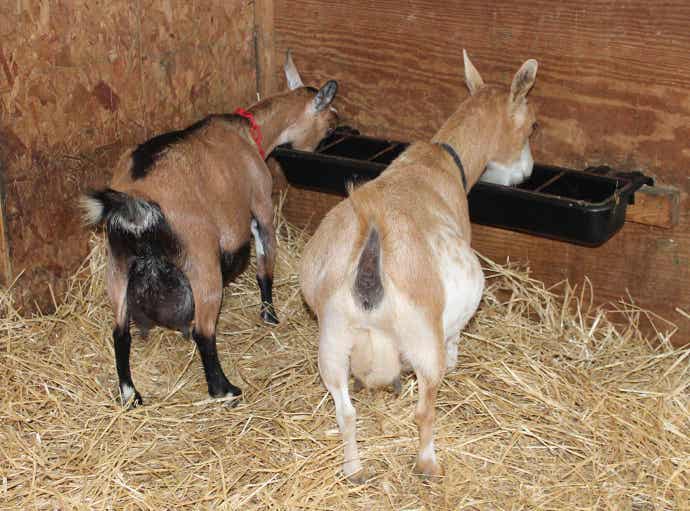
pixel 316 117
pixel 510 161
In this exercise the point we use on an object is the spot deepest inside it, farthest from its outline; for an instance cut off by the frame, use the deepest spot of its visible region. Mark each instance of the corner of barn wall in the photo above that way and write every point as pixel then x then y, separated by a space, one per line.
pixel 79 81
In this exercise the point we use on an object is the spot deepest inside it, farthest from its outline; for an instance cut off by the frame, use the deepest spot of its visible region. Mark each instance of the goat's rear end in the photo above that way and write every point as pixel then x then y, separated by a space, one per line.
pixel 140 238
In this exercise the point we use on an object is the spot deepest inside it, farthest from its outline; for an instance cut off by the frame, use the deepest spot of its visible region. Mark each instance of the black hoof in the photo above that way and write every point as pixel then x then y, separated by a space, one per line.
pixel 136 402
pixel 268 314
pixel 227 391
pixel 232 403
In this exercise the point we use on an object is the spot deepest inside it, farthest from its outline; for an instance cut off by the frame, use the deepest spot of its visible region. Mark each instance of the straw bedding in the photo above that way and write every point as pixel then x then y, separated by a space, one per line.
pixel 551 407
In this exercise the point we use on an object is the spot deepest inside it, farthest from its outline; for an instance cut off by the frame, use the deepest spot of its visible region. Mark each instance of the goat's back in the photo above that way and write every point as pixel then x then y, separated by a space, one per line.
pixel 406 204
pixel 203 183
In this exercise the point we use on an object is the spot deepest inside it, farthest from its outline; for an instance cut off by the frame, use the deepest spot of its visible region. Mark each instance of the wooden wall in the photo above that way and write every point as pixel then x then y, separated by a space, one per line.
pixel 613 88
pixel 78 80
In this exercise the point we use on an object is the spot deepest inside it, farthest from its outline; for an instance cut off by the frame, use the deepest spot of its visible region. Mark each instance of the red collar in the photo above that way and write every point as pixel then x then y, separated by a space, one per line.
pixel 254 129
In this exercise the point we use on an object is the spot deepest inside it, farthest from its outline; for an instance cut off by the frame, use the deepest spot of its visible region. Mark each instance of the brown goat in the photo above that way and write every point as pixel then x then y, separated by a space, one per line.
pixel 390 272
pixel 180 212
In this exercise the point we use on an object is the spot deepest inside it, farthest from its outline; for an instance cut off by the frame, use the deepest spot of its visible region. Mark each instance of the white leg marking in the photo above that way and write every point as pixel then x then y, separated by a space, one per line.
pixel 257 239
pixel 127 392
pixel 335 345
pixel 428 453
pixel 347 423
pixel 451 352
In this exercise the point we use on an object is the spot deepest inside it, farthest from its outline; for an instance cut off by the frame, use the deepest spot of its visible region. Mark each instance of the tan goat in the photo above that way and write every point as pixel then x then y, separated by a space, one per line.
pixel 180 213
pixel 390 272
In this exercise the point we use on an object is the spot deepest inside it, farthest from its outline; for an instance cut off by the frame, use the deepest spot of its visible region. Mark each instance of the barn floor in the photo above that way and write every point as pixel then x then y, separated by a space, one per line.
pixel 551 407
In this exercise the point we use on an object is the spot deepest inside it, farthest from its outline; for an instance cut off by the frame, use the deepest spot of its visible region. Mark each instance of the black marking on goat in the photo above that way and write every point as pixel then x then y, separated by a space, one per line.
pixel 130 211
pixel 312 89
pixel 147 153
pixel 268 313
pixel 218 384
pixel 122 341
pixel 368 287
pixel 129 239
pixel 159 294
pixel 233 264
pixel 136 227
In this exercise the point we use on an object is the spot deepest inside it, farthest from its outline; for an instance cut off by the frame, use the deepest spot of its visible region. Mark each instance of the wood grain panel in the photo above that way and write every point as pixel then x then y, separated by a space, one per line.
pixel 82 76
pixel 613 88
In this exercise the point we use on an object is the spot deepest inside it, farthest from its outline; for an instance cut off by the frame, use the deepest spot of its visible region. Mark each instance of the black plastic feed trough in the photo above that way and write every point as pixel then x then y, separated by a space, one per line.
pixel 584 207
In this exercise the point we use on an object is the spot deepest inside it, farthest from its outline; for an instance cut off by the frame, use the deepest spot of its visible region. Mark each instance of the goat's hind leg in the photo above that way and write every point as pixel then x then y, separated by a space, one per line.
pixel 427 464
pixel 218 384
pixel 429 367
pixel 122 338
pixel 207 287
pixel 334 366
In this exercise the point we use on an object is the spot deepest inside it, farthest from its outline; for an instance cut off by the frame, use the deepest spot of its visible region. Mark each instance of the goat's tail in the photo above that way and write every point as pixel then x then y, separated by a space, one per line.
pixel 121 211
pixel 368 285
pixel 136 227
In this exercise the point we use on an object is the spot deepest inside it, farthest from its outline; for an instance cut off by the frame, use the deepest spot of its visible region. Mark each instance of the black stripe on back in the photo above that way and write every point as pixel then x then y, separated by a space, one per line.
pixel 146 154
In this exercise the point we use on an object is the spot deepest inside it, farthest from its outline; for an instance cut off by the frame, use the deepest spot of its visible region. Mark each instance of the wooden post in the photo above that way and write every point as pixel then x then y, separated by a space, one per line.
pixel 265 47
pixel 5 266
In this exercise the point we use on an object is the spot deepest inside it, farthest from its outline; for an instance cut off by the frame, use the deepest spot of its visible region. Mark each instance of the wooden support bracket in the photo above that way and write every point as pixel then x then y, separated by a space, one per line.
pixel 655 205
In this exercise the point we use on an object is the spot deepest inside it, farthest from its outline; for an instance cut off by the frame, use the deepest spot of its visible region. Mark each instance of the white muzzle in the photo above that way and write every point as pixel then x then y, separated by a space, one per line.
pixel 512 174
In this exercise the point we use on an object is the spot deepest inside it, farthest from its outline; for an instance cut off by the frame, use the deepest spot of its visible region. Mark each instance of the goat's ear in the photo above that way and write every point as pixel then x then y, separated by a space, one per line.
pixel 293 78
pixel 472 77
pixel 325 95
pixel 523 81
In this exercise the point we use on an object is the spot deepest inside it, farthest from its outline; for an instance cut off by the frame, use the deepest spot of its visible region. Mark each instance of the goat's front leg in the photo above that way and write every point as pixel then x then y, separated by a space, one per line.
pixel 265 244
pixel 207 286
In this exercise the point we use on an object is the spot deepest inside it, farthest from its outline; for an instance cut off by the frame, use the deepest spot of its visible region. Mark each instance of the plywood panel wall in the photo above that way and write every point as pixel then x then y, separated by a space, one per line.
pixel 77 77
pixel 87 73
pixel 613 88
